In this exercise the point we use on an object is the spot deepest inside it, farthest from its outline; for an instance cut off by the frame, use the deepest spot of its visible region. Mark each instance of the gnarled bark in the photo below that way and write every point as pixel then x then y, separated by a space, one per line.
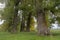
pixel 42 24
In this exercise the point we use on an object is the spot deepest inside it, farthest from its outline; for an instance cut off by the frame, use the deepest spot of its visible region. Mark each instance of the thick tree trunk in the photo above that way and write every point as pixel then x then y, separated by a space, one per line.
pixel 42 25
pixel 28 22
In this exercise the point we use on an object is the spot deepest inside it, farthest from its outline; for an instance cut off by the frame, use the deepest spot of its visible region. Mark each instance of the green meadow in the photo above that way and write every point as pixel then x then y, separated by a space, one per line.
pixel 55 35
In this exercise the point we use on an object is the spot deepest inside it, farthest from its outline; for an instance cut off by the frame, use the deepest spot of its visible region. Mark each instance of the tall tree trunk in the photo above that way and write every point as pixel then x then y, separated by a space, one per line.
pixel 14 25
pixel 28 22
pixel 42 24
pixel 22 25
pixel 15 19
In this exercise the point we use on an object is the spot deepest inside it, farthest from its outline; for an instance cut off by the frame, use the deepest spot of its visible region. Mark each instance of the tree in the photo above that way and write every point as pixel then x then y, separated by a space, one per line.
pixel 39 8
pixel 11 15
pixel 43 6
pixel 27 8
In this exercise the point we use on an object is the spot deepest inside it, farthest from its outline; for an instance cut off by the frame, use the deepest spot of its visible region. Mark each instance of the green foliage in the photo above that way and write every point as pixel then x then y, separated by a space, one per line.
pixel 26 7
pixel 4 26
pixel 58 19
pixel 8 11
pixel 32 23
pixel 47 18
pixel 48 3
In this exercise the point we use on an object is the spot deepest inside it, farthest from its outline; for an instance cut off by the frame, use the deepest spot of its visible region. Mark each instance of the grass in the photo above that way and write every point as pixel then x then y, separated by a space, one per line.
pixel 29 36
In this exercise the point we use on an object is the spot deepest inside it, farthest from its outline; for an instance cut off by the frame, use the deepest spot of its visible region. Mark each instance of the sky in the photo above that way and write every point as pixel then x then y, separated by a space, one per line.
pixel 2 5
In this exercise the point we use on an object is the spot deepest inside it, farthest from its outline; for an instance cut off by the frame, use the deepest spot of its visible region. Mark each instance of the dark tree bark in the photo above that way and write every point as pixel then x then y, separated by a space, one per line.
pixel 28 22
pixel 22 25
pixel 42 24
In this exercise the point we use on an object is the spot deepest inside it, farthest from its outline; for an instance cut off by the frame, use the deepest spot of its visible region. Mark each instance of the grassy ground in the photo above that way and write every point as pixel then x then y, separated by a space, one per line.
pixel 28 36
